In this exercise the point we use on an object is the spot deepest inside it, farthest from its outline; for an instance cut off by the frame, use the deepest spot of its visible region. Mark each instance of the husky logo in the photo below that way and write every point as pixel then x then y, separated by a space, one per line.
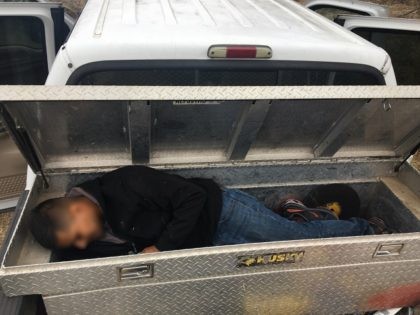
pixel 270 259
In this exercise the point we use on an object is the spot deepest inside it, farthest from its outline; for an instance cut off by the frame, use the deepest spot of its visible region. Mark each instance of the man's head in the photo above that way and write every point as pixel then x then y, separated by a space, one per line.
pixel 66 222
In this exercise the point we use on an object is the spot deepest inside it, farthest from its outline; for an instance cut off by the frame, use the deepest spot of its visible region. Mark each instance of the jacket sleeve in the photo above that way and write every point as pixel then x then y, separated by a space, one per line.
pixel 185 199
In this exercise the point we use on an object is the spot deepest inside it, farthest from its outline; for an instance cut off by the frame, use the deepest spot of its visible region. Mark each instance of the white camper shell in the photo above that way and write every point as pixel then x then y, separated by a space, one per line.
pixel 122 31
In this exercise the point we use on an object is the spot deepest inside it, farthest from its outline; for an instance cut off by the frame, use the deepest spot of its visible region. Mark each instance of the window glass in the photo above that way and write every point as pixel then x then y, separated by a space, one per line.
pixel 233 77
pixel 331 12
pixel 22 50
pixel 404 49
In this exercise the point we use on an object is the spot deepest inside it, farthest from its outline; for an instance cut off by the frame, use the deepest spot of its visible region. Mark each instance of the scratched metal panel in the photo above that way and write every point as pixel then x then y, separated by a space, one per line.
pixel 92 133
pixel 257 174
pixel 194 280
pixel 205 263
pixel 26 269
pixel 88 134
pixel 343 289
pixel 287 178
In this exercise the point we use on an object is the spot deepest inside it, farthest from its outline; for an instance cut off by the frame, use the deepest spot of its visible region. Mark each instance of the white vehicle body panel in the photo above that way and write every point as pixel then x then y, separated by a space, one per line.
pixel 153 30
pixel 352 22
pixel 371 9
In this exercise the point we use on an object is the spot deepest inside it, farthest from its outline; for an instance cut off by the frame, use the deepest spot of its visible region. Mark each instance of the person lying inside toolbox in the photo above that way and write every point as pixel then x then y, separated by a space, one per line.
pixel 140 209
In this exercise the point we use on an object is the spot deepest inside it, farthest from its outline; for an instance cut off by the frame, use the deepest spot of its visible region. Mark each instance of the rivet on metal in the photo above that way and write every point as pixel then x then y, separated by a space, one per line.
pixel 387 105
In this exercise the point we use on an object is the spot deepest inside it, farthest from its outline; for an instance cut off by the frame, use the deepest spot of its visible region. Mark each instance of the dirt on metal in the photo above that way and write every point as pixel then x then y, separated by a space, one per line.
pixel 416 160
pixel 5 219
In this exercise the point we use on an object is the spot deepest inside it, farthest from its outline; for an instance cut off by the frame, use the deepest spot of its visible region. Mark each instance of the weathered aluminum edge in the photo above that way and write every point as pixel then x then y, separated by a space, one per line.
pixel 78 276
pixel 86 93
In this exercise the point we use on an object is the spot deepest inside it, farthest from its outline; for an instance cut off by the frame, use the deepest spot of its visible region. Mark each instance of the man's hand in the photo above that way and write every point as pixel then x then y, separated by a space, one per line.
pixel 150 249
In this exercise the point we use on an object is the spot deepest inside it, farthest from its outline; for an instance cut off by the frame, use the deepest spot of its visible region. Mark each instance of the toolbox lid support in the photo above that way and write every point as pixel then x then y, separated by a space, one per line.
pixel 246 129
pixel 336 136
pixel 139 125
pixel 411 141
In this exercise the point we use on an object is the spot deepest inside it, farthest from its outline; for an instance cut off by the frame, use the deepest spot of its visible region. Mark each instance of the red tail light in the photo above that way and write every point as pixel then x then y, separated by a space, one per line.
pixel 239 51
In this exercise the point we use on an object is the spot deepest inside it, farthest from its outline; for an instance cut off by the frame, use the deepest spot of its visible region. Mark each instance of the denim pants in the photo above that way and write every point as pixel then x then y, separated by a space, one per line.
pixel 244 219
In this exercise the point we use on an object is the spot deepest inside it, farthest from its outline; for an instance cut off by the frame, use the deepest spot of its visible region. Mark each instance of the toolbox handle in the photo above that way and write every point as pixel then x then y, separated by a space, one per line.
pixel 135 272
pixel 388 250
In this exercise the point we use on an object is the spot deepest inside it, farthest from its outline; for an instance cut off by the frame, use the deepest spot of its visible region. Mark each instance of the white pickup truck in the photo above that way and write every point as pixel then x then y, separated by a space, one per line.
pixel 206 43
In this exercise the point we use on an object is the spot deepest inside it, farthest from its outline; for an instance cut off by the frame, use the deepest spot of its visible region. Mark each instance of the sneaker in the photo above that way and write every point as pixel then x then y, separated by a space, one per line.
pixel 295 210
pixel 378 226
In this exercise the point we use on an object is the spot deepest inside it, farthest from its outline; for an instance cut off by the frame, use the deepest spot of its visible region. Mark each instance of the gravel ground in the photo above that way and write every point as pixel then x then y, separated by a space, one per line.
pixel 402 8
pixel 73 6
pixel 5 219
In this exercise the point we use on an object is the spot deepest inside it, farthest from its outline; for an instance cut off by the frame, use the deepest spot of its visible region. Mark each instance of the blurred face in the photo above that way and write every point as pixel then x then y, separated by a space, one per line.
pixel 84 224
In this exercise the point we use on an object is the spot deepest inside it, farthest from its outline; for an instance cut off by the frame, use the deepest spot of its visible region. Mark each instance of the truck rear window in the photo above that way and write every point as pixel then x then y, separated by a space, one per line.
pixel 225 73
pixel 403 48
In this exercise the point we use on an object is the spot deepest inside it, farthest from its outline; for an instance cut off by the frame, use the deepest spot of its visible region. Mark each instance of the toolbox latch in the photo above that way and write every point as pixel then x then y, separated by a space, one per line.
pixel 135 272
pixel 388 250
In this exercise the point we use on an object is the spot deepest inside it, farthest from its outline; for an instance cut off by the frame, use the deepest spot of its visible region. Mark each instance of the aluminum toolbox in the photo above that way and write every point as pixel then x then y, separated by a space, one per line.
pixel 260 139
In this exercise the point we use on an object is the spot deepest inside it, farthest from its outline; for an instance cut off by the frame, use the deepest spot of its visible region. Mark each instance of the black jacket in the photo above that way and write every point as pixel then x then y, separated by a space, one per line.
pixel 150 207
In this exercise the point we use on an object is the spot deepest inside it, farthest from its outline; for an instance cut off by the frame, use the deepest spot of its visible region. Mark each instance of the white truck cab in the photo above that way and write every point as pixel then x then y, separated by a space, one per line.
pixel 172 43
pixel 114 36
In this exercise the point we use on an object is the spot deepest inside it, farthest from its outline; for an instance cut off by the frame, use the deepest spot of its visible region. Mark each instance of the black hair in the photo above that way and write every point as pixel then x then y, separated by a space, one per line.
pixel 46 219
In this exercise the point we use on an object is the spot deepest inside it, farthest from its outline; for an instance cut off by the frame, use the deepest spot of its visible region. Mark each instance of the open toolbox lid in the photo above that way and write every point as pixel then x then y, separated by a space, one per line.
pixel 61 128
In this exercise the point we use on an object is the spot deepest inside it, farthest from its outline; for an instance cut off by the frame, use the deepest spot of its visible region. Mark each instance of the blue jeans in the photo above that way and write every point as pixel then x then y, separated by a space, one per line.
pixel 244 219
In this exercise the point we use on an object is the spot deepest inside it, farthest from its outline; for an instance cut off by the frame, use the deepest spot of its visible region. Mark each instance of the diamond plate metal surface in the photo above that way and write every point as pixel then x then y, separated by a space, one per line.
pixel 49 93
pixel 12 186
pixel 185 265
pixel 344 289
pixel 335 274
